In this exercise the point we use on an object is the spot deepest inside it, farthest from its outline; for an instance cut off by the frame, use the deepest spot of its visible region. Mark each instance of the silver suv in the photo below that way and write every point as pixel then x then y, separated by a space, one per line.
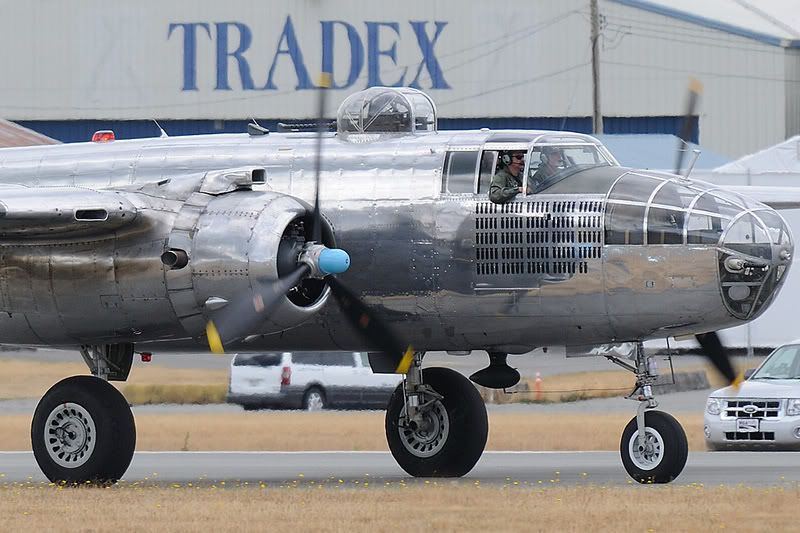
pixel 764 412
pixel 308 380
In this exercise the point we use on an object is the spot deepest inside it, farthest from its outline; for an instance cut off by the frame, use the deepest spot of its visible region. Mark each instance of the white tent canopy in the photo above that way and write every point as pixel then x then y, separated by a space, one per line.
pixel 783 158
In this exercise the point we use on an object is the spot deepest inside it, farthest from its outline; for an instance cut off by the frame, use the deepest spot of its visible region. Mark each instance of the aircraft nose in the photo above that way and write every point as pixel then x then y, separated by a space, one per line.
pixel 755 252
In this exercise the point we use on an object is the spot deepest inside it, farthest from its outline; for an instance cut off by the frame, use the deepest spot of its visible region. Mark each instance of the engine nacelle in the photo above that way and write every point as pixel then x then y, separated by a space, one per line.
pixel 220 251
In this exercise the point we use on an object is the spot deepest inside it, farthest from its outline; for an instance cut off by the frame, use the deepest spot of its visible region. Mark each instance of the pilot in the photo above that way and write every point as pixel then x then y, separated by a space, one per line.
pixel 507 182
pixel 552 160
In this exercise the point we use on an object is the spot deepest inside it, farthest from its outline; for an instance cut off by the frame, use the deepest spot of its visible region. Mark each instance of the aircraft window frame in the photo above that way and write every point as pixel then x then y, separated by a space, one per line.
pixel 620 223
pixel 665 221
pixel 486 179
pixel 453 153
pixel 503 146
pixel 571 166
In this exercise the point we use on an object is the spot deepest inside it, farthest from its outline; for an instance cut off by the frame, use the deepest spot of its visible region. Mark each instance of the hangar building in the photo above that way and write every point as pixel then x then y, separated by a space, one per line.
pixel 197 66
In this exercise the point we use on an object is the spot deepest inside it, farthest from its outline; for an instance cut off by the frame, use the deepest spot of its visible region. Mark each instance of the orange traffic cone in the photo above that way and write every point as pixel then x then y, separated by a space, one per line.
pixel 537 387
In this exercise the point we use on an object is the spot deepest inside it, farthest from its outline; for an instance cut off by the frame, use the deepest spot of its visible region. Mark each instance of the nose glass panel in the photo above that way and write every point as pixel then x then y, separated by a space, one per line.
pixel 755 252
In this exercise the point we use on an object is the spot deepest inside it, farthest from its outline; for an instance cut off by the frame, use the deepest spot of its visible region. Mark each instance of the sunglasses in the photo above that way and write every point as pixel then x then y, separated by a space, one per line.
pixel 518 157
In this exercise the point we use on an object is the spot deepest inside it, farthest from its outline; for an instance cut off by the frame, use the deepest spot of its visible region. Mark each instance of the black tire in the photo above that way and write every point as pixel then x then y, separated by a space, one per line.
pixel 101 434
pixel 671 449
pixel 455 453
pixel 314 399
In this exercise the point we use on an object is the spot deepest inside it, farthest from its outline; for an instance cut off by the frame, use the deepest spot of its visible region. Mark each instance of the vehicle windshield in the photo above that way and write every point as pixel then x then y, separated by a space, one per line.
pixel 783 363
pixel 552 163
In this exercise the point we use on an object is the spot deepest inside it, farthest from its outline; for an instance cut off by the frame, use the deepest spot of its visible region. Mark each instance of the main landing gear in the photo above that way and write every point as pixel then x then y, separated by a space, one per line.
pixel 436 423
pixel 83 429
pixel 653 445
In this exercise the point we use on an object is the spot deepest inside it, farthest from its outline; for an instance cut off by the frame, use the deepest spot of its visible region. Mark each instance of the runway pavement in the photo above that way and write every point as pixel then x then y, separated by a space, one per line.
pixel 378 469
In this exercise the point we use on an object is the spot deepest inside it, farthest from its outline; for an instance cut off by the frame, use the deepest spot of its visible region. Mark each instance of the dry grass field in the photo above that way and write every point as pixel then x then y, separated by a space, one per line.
pixel 20 378
pixel 353 431
pixel 437 506
pixel 331 431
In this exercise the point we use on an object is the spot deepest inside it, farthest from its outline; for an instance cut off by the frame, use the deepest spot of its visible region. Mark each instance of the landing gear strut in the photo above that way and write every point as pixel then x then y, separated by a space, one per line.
pixel 653 447
pixel 83 429
pixel 436 423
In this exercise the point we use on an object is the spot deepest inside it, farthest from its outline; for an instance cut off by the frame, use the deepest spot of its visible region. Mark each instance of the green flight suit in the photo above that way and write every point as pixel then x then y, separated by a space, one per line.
pixel 504 186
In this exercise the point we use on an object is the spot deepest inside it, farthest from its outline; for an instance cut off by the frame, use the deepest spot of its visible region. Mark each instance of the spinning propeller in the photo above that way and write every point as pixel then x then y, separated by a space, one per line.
pixel 709 342
pixel 249 309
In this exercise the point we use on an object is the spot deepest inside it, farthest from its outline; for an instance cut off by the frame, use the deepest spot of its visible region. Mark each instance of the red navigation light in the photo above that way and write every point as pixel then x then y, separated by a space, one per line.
pixel 146 357
pixel 103 136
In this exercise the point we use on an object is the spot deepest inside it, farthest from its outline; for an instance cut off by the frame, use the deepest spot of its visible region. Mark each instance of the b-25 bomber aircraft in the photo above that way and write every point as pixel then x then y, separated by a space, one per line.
pixel 245 242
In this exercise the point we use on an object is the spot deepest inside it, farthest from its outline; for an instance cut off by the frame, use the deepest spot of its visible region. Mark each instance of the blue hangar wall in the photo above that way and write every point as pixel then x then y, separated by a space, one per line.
pixel 81 130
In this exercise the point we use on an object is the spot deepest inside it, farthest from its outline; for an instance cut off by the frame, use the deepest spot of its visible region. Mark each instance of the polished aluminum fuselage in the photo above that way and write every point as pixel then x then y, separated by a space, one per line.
pixel 447 271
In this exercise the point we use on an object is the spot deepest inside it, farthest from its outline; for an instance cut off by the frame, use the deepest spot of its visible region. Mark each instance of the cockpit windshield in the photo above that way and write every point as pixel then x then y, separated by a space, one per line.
pixel 553 162
pixel 783 363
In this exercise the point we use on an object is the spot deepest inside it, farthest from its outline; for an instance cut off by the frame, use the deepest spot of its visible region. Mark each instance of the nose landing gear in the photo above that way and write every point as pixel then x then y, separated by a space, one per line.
pixel 653 447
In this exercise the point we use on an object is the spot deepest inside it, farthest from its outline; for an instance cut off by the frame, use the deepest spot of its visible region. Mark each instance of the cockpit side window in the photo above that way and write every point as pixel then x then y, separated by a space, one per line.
pixel 488 164
pixel 459 173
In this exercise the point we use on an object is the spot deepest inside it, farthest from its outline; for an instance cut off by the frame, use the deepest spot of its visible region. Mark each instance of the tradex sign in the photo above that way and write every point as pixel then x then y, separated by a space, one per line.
pixel 347 51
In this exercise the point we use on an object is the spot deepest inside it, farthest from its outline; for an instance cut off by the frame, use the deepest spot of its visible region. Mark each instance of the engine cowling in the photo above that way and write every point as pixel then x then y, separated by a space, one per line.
pixel 232 243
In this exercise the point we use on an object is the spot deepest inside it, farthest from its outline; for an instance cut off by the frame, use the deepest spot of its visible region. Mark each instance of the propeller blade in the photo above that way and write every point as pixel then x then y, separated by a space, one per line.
pixel 371 328
pixel 324 84
pixel 718 355
pixel 695 88
pixel 366 322
pixel 246 312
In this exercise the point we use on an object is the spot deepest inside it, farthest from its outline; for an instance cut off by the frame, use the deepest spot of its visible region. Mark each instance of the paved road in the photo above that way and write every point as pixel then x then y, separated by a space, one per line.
pixel 379 469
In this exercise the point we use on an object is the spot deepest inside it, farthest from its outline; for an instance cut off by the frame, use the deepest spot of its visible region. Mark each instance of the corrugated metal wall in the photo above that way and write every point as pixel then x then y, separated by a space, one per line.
pixel 192 60
pixel 648 60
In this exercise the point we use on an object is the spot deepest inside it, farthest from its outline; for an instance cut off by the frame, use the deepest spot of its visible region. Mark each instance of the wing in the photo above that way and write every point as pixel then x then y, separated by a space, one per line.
pixel 61 211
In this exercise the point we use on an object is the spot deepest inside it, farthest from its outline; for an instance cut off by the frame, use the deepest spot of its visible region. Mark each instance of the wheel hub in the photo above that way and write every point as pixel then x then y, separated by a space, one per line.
pixel 427 436
pixel 648 456
pixel 70 435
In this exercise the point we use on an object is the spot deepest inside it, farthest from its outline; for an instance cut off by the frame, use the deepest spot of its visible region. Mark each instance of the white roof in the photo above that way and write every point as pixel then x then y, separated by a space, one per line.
pixel 12 134
pixel 773 21
pixel 783 158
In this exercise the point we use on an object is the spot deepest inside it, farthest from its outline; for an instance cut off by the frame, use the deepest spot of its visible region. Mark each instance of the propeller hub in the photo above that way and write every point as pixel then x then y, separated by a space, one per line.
pixel 323 260
pixel 333 261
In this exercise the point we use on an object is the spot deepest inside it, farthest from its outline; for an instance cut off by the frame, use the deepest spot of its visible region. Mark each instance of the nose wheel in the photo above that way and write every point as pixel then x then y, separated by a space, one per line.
pixel 653 447
pixel 661 455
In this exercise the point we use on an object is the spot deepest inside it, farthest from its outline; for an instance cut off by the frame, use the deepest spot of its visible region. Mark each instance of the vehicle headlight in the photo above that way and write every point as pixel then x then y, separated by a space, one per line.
pixel 714 406
pixel 793 406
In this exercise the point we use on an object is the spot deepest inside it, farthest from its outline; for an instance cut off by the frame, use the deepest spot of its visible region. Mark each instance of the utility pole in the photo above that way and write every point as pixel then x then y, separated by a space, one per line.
pixel 597 114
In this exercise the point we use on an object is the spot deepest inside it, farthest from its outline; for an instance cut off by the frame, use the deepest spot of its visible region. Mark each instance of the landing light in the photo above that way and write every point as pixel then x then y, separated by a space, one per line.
pixel 102 136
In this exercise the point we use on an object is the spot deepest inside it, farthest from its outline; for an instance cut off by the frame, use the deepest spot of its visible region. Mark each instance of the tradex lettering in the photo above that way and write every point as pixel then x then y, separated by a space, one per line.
pixel 381 45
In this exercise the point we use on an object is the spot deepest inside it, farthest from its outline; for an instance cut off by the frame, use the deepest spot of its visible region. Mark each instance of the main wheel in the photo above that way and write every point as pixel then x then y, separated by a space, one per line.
pixel 453 432
pixel 314 399
pixel 83 431
pixel 664 455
